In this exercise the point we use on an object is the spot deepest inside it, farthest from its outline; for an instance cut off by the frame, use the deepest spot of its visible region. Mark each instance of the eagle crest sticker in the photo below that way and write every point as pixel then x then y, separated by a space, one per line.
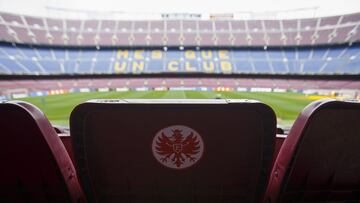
pixel 177 147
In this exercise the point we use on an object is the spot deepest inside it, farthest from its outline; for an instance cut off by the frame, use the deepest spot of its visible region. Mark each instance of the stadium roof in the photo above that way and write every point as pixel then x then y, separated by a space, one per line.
pixel 150 10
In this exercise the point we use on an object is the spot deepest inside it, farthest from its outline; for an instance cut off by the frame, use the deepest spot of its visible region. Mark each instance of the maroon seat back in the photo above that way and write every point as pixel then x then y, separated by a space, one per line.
pixel 320 158
pixel 173 150
pixel 35 166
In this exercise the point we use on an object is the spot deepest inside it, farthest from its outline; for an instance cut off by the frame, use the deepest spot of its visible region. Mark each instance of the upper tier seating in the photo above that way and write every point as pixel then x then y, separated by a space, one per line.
pixel 157 30
pixel 173 150
pixel 320 158
pixel 35 165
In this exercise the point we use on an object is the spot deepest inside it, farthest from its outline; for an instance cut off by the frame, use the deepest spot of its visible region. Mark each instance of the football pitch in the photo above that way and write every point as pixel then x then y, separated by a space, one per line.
pixel 287 106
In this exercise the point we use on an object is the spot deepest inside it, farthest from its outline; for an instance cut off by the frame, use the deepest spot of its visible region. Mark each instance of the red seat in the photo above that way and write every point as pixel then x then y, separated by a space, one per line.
pixel 320 158
pixel 173 150
pixel 35 166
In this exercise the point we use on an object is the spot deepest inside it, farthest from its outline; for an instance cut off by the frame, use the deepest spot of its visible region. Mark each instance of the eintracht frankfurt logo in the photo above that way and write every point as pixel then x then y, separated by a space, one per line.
pixel 177 147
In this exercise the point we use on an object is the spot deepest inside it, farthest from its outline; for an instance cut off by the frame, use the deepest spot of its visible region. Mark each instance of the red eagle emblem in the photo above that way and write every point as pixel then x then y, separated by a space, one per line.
pixel 177 147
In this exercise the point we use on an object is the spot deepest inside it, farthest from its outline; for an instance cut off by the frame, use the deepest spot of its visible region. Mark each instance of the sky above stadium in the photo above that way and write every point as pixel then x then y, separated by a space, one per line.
pixel 314 8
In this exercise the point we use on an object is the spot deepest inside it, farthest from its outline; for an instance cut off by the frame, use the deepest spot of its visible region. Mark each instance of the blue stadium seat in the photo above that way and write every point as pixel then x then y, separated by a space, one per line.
pixel 352 51
pixel 294 66
pixel 51 66
pixel 334 66
pixel 335 52
pixel 244 67
pixel 275 54
pixel 262 67
pixel 60 53
pixel 70 66
pixel 241 54
pixel 4 70
pixel 312 66
pixel 174 55
pixel 102 66
pixel 73 54
pixel 352 67
pixel 29 52
pixel 10 50
pixel 303 53
pixel 87 54
pixel 84 66
pixel 319 53
pixel 279 67
pixel 290 54
pixel 45 53
pixel 13 66
pixel 31 65
pixel 155 66
pixel 105 54
pixel 257 54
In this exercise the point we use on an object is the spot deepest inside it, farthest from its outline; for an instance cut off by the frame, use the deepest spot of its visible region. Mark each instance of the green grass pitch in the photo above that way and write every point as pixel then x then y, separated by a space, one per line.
pixel 57 108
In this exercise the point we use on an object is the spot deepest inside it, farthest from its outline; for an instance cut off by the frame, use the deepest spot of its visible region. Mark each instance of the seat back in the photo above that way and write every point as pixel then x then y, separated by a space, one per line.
pixel 35 165
pixel 320 158
pixel 173 150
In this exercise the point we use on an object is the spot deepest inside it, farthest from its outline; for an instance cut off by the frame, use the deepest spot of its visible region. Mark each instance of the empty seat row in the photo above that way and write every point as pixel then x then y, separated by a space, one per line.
pixel 181 151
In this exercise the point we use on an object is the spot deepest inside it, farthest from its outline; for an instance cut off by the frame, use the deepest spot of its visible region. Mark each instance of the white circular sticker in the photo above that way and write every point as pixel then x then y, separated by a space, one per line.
pixel 177 147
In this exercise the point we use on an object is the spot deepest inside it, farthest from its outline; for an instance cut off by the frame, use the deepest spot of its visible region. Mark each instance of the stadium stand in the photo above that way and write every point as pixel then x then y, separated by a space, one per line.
pixel 122 158
pixel 35 164
pixel 35 60
pixel 248 49
pixel 319 160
